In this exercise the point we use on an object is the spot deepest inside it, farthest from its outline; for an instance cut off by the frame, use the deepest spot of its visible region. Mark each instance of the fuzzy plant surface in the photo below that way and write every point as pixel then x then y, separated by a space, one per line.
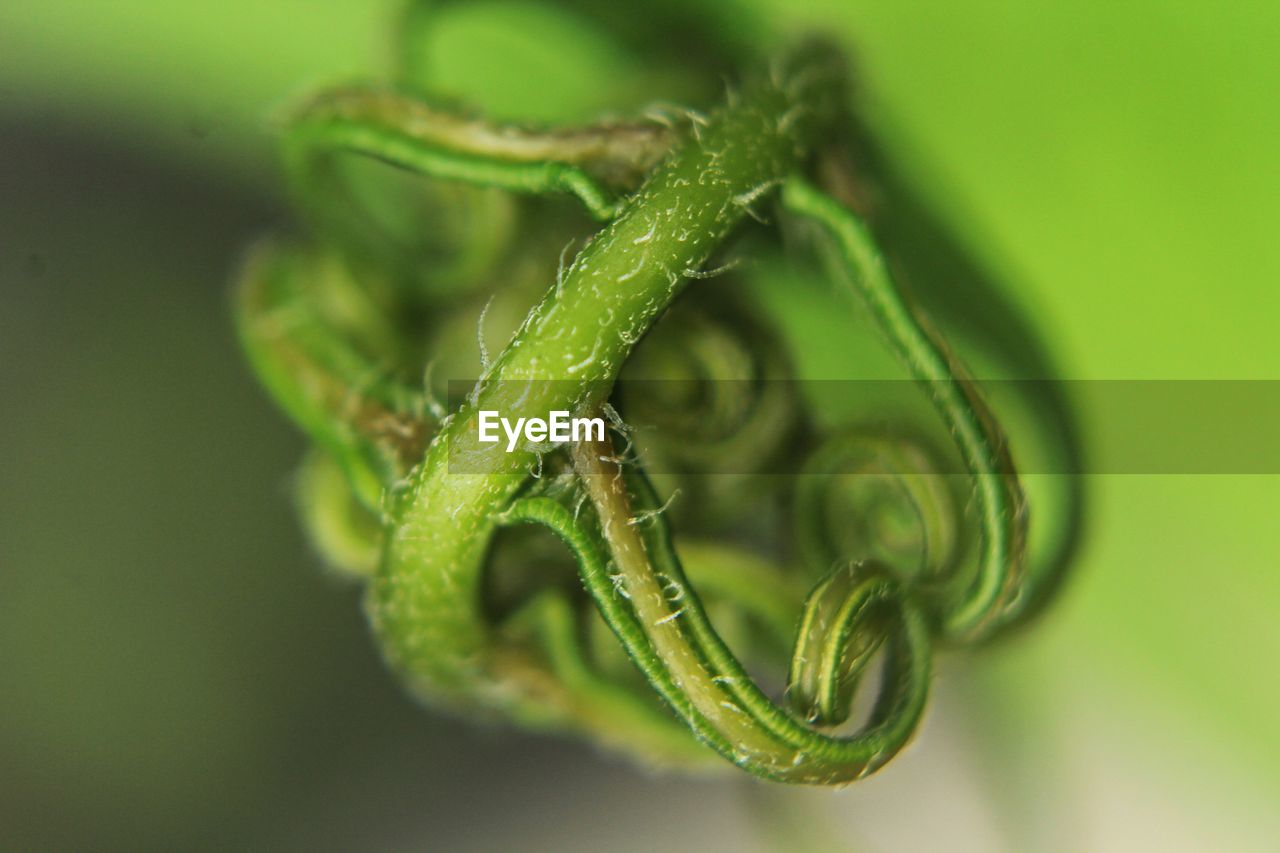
pixel 664 591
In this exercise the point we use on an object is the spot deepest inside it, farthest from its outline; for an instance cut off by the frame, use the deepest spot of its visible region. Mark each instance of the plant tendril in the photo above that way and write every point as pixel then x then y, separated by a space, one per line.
pixel 558 585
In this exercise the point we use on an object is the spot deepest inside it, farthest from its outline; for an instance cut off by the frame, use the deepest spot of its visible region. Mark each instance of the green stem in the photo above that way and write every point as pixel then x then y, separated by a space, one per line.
pixel 660 620
pixel 423 601
pixel 588 162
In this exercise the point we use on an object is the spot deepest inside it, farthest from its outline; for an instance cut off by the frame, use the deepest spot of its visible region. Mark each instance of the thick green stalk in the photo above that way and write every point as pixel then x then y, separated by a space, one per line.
pixel 423 602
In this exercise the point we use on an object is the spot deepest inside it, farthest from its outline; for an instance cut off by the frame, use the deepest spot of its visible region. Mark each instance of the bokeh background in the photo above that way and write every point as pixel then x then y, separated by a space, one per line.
pixel 176 671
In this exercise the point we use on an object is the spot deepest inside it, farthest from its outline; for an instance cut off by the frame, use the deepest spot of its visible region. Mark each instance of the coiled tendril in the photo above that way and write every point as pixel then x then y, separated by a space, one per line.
pixel 867 570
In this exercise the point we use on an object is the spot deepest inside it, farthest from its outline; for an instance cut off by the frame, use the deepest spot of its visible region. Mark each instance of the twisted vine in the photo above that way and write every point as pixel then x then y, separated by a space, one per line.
pixel 401 493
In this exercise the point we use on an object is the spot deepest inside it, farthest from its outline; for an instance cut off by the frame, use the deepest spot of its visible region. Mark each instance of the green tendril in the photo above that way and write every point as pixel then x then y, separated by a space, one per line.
pixel 862 496
pixel 659 618
pixel 346 400
pixel 589 162
pixel 546 585
pixel 1001 508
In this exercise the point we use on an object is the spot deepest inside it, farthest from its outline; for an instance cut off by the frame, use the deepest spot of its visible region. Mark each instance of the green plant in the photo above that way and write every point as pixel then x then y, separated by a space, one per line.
pixel 469 604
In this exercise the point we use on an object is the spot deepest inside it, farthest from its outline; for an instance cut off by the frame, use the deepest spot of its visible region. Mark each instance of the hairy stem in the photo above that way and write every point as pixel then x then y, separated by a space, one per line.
pixel 423 599
pixel 702 679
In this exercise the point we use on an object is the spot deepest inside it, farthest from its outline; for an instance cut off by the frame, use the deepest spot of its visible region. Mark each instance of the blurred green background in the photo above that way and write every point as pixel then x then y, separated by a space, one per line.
pixel 177 671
